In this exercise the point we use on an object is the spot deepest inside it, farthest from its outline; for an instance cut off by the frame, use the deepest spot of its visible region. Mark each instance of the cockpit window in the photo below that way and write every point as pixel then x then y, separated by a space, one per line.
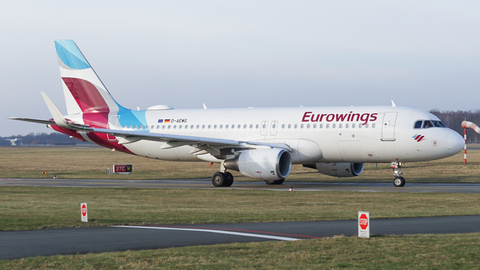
pixel 429 124
pixel 418 124
pixel 437 123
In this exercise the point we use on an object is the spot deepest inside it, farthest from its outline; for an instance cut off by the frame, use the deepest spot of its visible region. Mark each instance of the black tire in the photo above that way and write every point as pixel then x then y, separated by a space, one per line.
pixel 399 182
pixel 229 179
pixel 275 182
pixel 219 179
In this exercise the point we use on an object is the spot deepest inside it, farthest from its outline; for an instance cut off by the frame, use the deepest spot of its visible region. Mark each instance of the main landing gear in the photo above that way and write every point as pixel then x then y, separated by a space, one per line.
pixel 398 181
pixel 222 179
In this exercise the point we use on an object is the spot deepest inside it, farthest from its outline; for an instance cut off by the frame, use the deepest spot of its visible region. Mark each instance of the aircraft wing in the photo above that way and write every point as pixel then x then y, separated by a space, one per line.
pixel 201 144
pixel 38 121
pixel 172 140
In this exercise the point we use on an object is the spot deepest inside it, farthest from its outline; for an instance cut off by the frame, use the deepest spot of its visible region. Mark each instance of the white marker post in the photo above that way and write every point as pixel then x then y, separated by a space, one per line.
pixel 83 211
pixel 363 224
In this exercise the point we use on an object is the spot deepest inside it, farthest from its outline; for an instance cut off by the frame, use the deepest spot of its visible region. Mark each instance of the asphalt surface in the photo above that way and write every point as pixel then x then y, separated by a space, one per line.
pixel 48 242
pixel 206 184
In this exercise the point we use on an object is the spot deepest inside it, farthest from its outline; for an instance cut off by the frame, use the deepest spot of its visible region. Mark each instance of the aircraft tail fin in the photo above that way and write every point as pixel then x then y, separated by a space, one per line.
pixel 84 91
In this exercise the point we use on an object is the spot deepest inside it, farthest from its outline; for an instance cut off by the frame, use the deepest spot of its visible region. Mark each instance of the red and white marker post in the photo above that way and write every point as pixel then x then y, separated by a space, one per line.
pixel 363 224
pixel 83 211
pixel 465 125
pixel 465 147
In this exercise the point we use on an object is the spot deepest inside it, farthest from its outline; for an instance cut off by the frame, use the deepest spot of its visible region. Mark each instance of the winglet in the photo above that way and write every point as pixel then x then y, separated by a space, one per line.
pixel 57 116
pixel 393 104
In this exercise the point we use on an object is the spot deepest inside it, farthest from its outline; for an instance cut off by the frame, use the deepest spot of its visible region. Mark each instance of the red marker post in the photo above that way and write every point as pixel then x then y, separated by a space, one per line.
pixel 83 211
pixel 363 224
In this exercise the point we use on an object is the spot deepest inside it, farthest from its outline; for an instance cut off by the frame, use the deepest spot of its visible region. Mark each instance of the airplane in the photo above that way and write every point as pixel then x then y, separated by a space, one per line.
pixel 261 143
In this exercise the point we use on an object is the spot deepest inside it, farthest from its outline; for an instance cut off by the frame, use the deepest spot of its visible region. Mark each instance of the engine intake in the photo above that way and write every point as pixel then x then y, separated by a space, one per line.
pixel 265 164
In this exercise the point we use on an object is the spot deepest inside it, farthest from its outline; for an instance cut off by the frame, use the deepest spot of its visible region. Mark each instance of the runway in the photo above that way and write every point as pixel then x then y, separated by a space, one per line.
pixel 206 184
pixel 48 242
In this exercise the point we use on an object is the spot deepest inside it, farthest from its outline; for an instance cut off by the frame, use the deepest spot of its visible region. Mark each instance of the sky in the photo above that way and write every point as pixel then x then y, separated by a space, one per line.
pixel 420 54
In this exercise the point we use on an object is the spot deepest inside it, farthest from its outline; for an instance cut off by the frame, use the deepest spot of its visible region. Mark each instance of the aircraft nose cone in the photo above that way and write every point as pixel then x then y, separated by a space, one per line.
pixel 455 143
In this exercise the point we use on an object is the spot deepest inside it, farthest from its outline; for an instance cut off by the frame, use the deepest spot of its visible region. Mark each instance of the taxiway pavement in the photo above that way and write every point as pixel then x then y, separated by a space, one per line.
pixel 206 184
pixel 48 242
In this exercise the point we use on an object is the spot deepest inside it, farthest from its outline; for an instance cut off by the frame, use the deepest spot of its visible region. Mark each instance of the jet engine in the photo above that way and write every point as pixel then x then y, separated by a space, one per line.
pixel 265 164
pixel 338 169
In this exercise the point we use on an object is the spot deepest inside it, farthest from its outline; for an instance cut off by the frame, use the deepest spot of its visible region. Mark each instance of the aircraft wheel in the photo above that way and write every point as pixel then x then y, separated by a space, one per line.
pixel 219 179
pixel 275 182
pixel 229 179
pixel 399 182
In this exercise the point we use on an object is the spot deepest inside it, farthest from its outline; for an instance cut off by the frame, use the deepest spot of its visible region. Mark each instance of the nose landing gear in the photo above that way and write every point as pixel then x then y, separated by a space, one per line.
pixel 398 181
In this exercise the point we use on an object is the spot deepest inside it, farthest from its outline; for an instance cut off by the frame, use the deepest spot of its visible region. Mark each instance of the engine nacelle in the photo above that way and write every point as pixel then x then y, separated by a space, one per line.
pixel 265 164
pixel 338 169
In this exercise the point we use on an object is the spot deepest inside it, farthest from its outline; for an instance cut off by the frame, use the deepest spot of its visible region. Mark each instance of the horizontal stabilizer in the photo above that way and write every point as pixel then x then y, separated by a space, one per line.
pixel 38 121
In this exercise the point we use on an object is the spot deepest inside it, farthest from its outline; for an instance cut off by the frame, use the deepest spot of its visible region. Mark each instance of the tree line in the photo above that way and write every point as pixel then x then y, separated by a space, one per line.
pixel 53 138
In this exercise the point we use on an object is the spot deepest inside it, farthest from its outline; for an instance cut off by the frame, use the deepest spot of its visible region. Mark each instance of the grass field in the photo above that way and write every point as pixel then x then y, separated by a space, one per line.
pixel 455 251
pixel 40 207
pixel 26 208
pixel 92 163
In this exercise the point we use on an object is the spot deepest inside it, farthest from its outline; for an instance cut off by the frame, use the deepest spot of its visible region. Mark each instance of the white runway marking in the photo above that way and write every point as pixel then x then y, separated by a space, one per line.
pixel 213 231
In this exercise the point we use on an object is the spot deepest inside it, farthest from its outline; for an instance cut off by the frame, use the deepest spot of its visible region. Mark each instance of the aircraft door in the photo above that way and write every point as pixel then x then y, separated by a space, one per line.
pixel 388 126
pixel 273 128
pixel 264 128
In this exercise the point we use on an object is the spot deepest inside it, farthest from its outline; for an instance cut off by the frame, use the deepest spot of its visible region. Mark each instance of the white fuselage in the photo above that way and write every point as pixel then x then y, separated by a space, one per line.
pixel 315 134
